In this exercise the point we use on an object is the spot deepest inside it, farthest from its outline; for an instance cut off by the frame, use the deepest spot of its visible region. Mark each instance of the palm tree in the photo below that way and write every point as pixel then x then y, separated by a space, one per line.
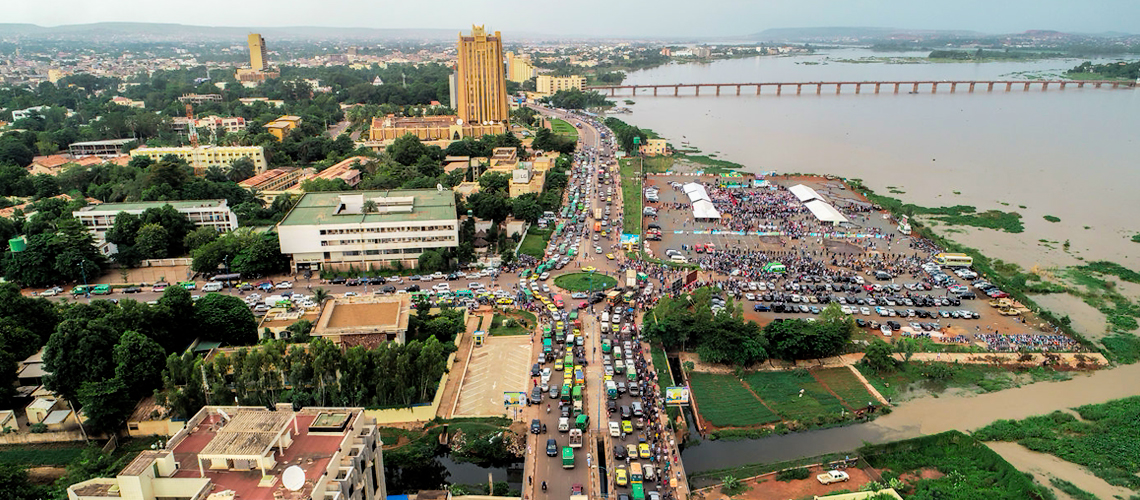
pixel 320 295
pixel 370 207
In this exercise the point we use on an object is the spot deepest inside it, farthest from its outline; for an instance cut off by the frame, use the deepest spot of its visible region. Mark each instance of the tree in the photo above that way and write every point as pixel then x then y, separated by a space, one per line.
pixel 198 237
pixel 79 351
pixel 241 169
pixel 880 356
pixel 15 485
pixel 225 318
pixel 106 403
pixel 494 183
pixel 138 363
pixel 526 208
pixel 406 150
pixel 319 184
pixel 321 294
pixel 152 241
pixel 431 261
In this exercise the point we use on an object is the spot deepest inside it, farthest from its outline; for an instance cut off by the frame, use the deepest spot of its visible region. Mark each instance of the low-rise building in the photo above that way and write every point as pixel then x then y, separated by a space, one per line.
pixel 548 85
pixel 345 170
pixel 525 179
pixel 20 114
pixel 152 419
pixel 504 159
pixel 282 125
pixel 367 229
pixel 227 124
pixel 200 98
pixel 99 219
pixel 654 147
pixel 203 157
pixel 430 128
pixel 54 164
pixel 108 148
pixel 128 102
pixel 255 453
pixel 365 320
pixel 277 179
pixel 276 103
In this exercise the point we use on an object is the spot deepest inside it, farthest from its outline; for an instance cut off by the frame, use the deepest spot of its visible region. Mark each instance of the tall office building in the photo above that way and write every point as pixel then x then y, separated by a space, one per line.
pixel 257 56
pixel 482 82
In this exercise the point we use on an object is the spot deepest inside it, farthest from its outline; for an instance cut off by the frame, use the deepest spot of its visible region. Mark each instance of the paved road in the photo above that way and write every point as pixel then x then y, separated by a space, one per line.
pixel 338 129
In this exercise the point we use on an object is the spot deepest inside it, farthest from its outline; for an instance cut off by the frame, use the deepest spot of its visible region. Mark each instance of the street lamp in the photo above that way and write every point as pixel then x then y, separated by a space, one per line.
pixel 83 271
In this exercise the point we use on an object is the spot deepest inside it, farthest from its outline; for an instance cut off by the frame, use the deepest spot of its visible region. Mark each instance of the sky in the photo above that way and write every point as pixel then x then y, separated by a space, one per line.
pixel 601 18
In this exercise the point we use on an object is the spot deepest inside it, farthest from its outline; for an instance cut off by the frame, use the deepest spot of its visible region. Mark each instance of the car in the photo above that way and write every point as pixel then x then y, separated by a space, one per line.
pixel 631 450
pixel 551 447
pixel 576 489
pixel 536 396
pixel 284 285
pixel 535 426
pixel 761 308
pixel 627 426
pixel 615 429
pixel 579 295
pixel 589 269
pixel 835 476
pixel 131 289
pixel 621 477
pixel 505 301
pixel 643 450
pixel 555 392
pixel 619 452
pixel 610 256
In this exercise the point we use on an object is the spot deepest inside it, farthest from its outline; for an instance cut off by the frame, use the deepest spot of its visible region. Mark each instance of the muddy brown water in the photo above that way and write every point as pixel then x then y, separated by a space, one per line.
pixel 920 417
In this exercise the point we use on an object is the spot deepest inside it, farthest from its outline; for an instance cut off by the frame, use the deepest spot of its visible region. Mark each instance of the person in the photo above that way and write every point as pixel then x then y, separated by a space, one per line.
pixel 544 486
pixel 548 408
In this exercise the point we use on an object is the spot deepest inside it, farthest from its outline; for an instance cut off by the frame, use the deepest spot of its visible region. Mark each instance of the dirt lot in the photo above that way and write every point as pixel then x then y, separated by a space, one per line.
pixel 768 488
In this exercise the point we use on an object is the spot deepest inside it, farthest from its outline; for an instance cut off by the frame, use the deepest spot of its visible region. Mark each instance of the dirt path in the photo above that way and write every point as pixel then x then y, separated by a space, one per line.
pixel 870 388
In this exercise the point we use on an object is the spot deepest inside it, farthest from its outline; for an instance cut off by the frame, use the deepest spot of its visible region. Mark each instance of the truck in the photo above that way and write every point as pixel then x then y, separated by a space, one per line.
pixel 597 214
pixel 576 438
pixel 611 389
pixel 835 476
pixel 630 278
pixel 567 457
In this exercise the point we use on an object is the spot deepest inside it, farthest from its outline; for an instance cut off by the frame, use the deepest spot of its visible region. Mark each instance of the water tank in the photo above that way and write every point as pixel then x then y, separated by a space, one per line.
pixel 18 244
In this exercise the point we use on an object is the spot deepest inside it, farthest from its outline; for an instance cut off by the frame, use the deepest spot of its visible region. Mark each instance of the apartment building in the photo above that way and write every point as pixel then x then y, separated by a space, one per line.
pixel 368 229
pixel 98 219
pixel 548 85
pixel 255 453
pixel 204 157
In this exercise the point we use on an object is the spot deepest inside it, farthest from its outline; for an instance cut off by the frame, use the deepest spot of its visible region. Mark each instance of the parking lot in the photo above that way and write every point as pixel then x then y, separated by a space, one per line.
pixel 502 364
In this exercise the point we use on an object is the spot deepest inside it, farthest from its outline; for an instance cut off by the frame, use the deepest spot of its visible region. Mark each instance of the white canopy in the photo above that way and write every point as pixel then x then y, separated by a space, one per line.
pixel 703 207
pixel 804 193
pixel 825 212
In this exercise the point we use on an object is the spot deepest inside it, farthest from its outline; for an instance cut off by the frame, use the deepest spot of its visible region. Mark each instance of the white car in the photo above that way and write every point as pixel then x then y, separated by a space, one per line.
pixel 442 287
pixel 866 311
pixel 283 285
pixel 350 294
pixel 475 286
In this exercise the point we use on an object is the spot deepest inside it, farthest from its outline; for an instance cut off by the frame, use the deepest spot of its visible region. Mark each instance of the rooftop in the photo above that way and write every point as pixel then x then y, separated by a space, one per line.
pixel 108 142
pixel 329 208
pixel 376 314
pixel 143 205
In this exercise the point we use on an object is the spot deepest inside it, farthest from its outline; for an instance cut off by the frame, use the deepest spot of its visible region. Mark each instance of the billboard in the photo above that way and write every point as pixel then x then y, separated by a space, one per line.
pixel 514 399
pixel 630 239
pixel 676 396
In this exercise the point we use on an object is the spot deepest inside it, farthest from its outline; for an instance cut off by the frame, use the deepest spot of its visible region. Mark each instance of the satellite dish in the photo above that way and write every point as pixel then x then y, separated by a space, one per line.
pixel 459 121
pixel 293 478
pixel 439 187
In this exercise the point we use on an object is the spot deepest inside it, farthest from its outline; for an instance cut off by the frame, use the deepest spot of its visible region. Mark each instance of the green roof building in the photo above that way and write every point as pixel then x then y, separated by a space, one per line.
pixel 99 219
pixel 368 229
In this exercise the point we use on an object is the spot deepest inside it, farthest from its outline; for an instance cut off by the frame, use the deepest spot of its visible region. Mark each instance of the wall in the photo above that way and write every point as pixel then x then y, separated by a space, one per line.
pixel 425 412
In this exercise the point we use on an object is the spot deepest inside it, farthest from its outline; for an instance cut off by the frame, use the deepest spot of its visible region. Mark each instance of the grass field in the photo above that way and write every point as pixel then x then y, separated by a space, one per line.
pixel 562 127
pixel 584 282
pixel 497 327
pixel 535 242
pixel 41 454
pixel 781 391
pixel 631 196
pixel 844 384
pixel 724 402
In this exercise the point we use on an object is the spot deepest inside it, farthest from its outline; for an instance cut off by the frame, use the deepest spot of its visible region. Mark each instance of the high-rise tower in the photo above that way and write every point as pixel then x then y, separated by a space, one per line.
pixel 257 59
pixel 482 82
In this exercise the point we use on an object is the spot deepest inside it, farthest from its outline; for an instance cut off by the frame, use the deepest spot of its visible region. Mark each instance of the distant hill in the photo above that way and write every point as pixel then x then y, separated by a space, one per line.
pixel 857 33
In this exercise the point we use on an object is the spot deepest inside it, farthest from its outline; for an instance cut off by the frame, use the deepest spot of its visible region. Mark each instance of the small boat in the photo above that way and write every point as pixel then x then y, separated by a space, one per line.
pixel 912 92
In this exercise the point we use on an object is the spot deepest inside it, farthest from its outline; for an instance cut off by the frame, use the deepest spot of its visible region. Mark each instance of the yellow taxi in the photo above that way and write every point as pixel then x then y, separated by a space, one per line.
pixel 589 269
pixel 643 450
pixel 551 307
pixel 506 301
pixel 627 426
pixel 620 477
pixel 631 450
pixel 610 256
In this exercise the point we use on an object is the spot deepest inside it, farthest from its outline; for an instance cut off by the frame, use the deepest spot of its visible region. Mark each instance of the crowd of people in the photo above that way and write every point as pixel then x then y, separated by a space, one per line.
pixel 1019 342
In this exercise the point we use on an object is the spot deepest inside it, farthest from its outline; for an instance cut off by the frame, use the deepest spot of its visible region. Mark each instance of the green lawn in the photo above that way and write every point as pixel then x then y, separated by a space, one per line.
pixel 724 402
pixel 781 391
pixel 584 282
pixel 845 385
pixel 515 328
pixel 535 242
pixel 562 127
pixel 41 454
pixel 631 196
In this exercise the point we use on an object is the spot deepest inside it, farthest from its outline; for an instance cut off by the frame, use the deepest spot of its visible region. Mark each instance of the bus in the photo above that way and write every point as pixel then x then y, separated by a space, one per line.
pixel 567 457
pixel 101 290
pixel 638 490
pixel 577 393
pixel 635 475
pixel 597 227
pixel 953 260
pixel 597 214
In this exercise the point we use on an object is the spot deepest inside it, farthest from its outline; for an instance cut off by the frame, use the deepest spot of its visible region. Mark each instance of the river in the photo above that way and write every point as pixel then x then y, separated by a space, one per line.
pixel 1069 154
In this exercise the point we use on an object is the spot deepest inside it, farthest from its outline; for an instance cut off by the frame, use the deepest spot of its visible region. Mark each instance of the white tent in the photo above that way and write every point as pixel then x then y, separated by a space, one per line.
pixel 703 207
pixel 804 193
pixel 825 212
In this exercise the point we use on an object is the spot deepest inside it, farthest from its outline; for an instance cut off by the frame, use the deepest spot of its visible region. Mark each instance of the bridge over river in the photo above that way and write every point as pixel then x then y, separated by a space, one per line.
pixel 910 86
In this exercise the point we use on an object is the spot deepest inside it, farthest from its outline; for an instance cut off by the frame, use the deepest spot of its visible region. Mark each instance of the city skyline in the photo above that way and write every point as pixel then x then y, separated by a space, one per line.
pixel 721 18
